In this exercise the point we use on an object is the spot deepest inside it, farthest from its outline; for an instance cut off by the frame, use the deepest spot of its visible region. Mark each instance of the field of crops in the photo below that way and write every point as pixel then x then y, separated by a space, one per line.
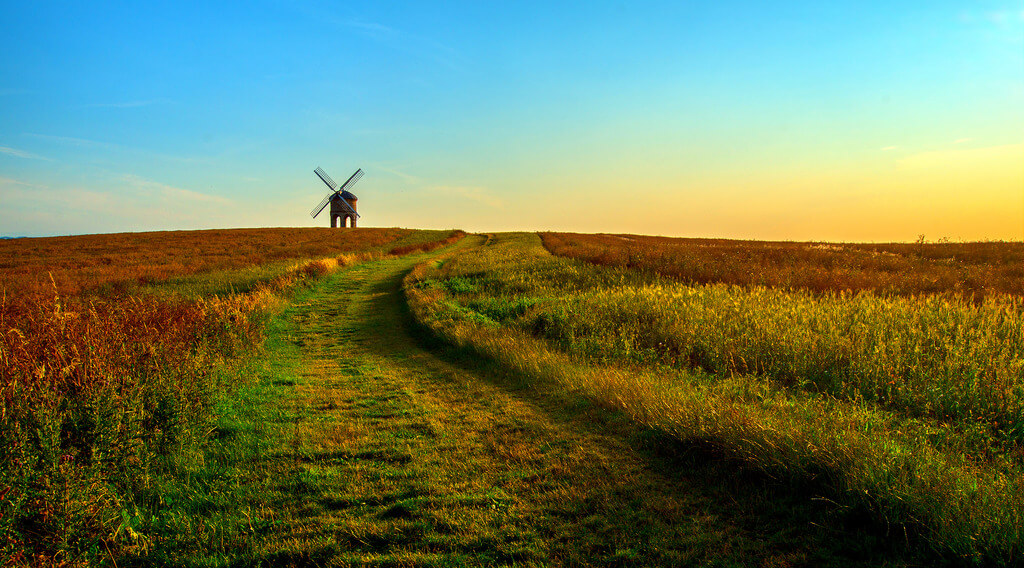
pixel 118 261
pixel 972 270
pixel 899 386
pixel 115 352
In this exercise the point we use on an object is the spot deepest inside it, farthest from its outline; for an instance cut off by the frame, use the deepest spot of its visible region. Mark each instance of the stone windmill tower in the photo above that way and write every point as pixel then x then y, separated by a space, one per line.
pixel 343 208
pixel 343 202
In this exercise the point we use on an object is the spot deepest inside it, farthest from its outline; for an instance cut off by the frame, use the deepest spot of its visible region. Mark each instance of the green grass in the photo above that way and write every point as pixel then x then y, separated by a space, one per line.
pixel 117 411
pixel 504 410
pixel 246 279
pixel 930 357
pixel 223 282
pixel 357 446
pixel 735 369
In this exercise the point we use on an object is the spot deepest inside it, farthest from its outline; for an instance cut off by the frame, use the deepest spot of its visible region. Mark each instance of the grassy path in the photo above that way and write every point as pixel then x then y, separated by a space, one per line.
pixel 384 452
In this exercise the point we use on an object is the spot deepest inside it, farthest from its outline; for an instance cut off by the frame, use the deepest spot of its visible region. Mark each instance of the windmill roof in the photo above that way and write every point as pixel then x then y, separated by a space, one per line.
pixel 348 196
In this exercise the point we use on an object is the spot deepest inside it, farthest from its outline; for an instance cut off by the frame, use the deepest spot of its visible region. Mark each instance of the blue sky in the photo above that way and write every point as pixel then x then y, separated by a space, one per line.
pixel 795 120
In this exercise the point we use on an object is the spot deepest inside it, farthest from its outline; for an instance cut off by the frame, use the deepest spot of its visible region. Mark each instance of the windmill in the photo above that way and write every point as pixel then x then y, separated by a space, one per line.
pixel 343 203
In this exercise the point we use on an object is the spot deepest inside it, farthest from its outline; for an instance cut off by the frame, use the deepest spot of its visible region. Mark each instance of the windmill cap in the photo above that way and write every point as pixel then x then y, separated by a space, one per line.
pixel 348 196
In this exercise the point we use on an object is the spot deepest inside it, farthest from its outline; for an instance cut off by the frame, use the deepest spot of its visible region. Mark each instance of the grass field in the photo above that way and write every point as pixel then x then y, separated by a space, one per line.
pixel 907 406
pixel 119 261
pixel 273 397
pixel 973 270
pixel 110 376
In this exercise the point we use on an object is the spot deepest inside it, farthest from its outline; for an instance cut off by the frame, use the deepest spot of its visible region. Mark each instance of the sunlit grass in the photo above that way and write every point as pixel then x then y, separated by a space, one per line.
pixel 933 357
pixel 117 262
pixel 909 406
pixel 973 270
pixel 111 398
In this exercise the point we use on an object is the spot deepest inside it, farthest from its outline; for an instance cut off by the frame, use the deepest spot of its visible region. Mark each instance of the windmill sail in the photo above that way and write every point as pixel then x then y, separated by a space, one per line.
pixel 326 179
pixel 347 206
pixel 352 180
pixel 316 210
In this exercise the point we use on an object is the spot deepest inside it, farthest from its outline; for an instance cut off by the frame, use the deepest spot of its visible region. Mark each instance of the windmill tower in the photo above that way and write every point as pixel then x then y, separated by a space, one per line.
pixel 343 202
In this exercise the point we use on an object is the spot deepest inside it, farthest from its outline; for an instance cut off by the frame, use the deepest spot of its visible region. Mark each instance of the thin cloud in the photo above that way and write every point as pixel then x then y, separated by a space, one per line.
pixel 171 192
pixel 7 182
pixel 21 153
pixel 420 47
pixel 473 193
pixel 178 193
pixel 998 17
pixel 127 202
pixel 995 25
pixel 408 178
pixel 962 156
pixel 23 198
pixel 81 142
pixel 417 46
pixel 96 144
pixel 129 104
pixel 372 29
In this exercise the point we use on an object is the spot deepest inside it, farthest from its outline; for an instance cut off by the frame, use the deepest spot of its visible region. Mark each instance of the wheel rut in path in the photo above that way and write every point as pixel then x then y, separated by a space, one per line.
pixel 391 453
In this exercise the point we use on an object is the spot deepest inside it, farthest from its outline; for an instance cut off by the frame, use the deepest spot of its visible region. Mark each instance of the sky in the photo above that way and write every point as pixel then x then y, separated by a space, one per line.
pixel 799 120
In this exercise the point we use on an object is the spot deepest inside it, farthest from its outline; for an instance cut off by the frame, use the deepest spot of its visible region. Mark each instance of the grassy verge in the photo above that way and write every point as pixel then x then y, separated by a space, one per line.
pixel 113 406
pixel 504 301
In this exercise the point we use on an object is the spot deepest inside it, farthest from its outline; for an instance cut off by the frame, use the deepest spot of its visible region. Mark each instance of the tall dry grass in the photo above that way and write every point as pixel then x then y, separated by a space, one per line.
pixel 698 363
pixel 104 397
pixel 935 357
pixel 975 269
pixel 428 246
pixel 119 261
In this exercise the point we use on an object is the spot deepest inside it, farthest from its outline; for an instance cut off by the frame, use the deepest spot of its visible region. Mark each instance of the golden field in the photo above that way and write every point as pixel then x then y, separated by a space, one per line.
pixel 974 269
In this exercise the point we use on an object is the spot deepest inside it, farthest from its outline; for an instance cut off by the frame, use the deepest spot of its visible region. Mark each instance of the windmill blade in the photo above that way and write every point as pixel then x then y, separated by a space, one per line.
pixel 316 210
pixel 326 179
pixel 352 180
pixel 347 206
